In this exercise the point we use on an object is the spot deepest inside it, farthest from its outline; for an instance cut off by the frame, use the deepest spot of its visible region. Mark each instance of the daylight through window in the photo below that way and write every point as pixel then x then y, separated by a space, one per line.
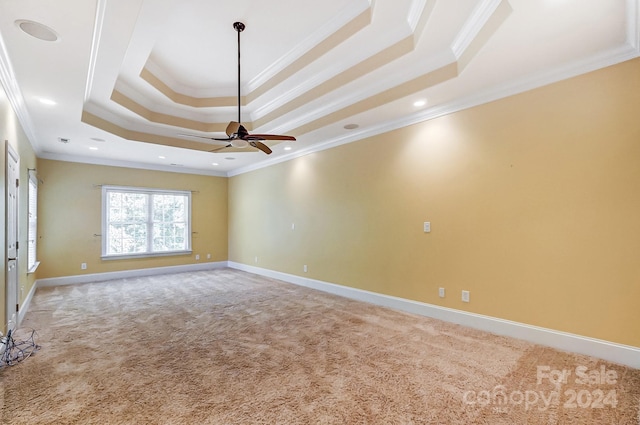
pixel 142 222
pixel 32 231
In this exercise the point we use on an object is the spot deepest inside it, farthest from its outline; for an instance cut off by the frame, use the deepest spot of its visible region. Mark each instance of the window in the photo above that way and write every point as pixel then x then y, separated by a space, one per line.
pixel 145 222
pixel 32 233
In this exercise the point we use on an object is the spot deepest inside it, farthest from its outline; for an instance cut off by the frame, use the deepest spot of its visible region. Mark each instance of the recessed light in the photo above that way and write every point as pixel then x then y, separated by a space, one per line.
pixel 419 103
pixel 37 30
pixel 162 157
pixel 46 101
pixel 93 148
pixel 351 126
pixel 287 148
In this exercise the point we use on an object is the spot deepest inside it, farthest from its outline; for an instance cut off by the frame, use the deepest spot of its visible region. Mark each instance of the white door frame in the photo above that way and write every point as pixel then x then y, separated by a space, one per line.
pixel 11 242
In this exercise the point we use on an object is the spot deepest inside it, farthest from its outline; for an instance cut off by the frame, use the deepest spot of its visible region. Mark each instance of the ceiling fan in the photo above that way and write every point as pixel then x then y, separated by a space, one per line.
pixel 238 136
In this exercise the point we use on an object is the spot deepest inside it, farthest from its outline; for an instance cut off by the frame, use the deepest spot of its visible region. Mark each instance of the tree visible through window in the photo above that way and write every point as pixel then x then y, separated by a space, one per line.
pixel 145 221
pixel 32 233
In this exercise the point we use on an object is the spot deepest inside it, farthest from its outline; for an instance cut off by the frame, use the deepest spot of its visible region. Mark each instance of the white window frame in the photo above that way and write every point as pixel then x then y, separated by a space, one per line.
pixel 149 243
pixel 32 226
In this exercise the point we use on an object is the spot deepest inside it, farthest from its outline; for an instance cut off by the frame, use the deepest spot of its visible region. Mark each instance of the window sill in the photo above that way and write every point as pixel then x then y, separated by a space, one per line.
pixel 144 255
pixel 33 268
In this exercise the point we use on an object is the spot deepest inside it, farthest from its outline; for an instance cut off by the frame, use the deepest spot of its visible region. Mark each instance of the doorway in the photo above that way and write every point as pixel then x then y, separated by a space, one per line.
pixel 12 181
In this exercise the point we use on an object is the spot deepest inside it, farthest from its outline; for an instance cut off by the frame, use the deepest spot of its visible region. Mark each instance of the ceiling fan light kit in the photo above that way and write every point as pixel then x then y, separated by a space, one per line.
pixel 238 136
pixel 239 143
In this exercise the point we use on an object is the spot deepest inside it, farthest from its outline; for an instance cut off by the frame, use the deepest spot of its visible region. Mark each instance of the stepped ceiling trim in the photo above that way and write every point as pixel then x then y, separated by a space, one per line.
pixel 183 99
pixel 140 136
pixel 309 71
pixel 340 79
pixel 285 67
pixel 171 120
pixel 96 121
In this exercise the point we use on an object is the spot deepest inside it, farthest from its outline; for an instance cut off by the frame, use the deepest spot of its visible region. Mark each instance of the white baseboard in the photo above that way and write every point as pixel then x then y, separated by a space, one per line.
pixel 617 353
pixel 25 304
pixel 102 277
pixel 125 274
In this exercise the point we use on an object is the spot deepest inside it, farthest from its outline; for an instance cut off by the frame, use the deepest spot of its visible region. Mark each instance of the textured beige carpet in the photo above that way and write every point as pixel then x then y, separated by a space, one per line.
pixel 227 347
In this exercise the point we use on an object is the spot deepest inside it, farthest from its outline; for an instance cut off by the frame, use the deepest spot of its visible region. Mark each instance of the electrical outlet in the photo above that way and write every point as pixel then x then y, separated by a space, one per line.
pixel 208 256
pixel 293 226
pixel 441 292
pixel 256 259
pixel 305 268
pixel 465 296
pixel 427 226
pixel 83 266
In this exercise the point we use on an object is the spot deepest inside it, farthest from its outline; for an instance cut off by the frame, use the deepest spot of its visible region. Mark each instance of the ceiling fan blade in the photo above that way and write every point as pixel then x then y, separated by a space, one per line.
pixel 270 137
pixel 232 129
pixel 195 135
pixel 205 137
pixel 220 148
pixel 264 148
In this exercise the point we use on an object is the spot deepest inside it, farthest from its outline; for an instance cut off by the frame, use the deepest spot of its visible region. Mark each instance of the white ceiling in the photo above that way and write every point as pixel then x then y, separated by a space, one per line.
pixel 121 69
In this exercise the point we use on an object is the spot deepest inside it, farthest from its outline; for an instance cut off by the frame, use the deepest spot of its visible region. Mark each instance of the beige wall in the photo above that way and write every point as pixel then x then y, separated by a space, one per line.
pixel 12 133
pixel 70 215
pixel 534 203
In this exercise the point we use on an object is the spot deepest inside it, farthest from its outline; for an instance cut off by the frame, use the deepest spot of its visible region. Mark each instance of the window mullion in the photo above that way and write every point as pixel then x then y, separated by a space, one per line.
pixel 121 214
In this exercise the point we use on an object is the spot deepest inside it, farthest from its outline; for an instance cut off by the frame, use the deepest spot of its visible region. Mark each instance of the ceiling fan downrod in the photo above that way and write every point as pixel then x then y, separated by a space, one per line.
pixel 238 136
pixel 239 27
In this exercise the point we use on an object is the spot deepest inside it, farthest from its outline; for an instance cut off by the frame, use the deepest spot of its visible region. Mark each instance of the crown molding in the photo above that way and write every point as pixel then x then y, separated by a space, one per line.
pixel 341 19
pixel 101 9
pixel 477 20
pixel 633 24
pixel 183 90
pixel 415 13
pixel 16 99
pixel 419 14
pixel 129 164
pixel 133 94
pixel 396 42
pixel 441 60
pixel 331 143
pixel 510 88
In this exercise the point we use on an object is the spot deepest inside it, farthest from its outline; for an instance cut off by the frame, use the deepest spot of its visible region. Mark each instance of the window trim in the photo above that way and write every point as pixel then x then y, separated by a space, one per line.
pixel 32 195
pixel 148 191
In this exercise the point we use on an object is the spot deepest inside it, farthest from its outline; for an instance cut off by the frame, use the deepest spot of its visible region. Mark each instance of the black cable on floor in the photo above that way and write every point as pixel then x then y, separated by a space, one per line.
pixel 13 352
